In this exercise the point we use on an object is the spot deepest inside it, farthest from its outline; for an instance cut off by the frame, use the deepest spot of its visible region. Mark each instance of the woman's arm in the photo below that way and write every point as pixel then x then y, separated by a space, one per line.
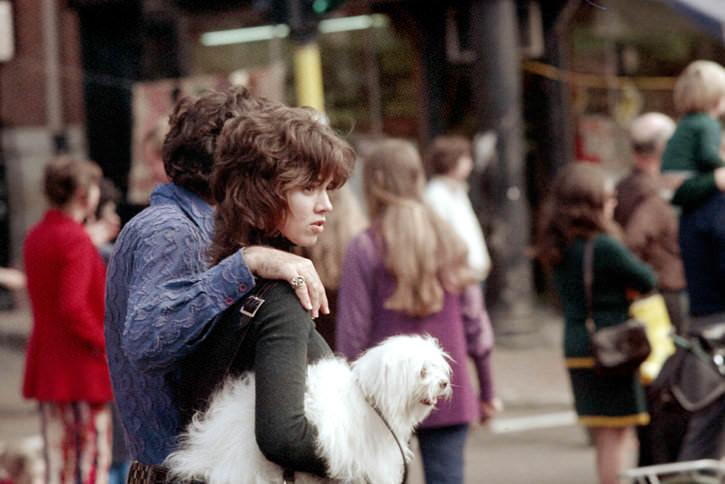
pixel 695 190
pixel 479 344
pixel 286 343
pixel 708 156
pixel 77 275
pixel 479 337
pixel 628 270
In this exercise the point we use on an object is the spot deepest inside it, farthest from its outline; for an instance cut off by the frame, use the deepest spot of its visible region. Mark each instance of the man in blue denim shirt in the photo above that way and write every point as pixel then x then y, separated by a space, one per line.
pixel 160 294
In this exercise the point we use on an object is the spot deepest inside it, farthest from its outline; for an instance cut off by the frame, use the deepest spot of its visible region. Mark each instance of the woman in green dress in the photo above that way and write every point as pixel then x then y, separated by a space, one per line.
pixel 580 207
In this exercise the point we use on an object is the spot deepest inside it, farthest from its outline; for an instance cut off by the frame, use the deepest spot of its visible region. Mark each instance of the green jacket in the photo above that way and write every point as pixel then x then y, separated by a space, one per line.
pixel 616 270
pixel 694 149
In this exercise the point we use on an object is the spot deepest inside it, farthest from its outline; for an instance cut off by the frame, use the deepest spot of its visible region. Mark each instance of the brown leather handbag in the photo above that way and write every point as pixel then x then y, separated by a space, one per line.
pixel 618 350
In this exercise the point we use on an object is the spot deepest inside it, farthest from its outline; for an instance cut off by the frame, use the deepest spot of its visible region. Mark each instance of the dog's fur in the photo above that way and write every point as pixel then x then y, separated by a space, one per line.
pixel 402 377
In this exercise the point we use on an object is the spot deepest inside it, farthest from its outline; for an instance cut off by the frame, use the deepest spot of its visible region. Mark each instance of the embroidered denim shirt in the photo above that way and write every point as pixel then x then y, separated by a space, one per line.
pixel 160 295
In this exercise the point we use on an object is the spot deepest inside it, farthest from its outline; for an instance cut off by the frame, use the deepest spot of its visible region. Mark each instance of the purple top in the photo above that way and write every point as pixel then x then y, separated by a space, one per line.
pixel 461 327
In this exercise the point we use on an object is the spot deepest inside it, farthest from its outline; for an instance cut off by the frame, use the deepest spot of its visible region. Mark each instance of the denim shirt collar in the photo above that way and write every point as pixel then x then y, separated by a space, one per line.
pixel 196 209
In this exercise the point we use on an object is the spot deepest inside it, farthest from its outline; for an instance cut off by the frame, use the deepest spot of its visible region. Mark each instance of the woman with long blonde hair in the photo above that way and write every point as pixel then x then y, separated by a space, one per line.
pixel 408 273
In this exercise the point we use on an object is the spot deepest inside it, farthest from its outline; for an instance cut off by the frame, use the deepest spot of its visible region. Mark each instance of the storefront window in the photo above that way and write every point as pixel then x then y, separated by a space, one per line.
pixel 355 52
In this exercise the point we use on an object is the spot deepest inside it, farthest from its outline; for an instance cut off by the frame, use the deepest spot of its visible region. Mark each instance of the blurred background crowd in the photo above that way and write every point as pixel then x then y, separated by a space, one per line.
pixel 528 85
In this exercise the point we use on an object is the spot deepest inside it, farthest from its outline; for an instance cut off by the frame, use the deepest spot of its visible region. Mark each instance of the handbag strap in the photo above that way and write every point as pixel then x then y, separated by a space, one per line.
pixel 250 305
pixel 211 362
pixel 588 269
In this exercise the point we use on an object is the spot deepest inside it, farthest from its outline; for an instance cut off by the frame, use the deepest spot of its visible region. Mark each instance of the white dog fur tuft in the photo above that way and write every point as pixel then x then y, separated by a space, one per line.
pixel 403 377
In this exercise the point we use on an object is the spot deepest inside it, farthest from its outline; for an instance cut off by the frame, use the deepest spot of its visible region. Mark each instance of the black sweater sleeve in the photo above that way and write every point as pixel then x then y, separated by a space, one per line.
pixel 286 342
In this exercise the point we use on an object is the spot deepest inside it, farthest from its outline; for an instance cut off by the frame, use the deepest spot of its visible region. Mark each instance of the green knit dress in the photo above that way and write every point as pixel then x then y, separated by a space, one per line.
pixel 601 401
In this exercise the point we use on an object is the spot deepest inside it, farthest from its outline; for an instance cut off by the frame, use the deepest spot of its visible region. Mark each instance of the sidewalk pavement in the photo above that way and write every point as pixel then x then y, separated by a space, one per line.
pixel 528 368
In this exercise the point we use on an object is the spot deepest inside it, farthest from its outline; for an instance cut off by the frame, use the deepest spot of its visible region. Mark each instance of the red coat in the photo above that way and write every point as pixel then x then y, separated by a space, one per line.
pixel 66 357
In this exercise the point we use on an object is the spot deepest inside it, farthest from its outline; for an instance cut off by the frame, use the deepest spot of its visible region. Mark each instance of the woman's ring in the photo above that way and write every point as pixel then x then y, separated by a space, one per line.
pixel 297 282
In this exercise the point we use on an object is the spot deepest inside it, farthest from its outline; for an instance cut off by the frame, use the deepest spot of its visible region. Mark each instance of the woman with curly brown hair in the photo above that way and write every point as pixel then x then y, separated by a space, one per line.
pixel 270 183
pixel 579 208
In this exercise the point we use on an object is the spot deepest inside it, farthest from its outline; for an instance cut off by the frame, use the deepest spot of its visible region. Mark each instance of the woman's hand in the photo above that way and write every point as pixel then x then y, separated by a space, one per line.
pixel 719 174
pixel 275 264
pixel 490 408
pixel 12 278
pixel 103 230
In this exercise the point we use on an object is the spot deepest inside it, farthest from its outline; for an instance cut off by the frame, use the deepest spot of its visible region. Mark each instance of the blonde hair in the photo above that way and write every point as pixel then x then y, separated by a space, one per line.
pixel 346 220
pixel 421 250
pixel 699 87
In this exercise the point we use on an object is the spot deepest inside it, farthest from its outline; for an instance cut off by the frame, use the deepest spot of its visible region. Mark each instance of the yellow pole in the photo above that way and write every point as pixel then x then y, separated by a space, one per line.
pixel 308 76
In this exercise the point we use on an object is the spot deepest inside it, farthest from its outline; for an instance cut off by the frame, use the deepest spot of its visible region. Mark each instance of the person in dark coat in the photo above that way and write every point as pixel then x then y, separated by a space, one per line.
pixel 643 210
pixel 579 209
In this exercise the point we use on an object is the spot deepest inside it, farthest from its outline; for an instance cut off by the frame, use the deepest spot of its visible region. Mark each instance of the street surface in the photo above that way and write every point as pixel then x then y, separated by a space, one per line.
pixel 535 439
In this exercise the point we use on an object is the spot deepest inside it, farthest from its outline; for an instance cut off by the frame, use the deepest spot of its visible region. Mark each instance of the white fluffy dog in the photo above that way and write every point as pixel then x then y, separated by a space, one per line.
pixel 402 378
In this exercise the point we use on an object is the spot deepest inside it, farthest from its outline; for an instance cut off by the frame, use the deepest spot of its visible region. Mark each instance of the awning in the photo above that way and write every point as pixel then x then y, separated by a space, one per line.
pixel 709 14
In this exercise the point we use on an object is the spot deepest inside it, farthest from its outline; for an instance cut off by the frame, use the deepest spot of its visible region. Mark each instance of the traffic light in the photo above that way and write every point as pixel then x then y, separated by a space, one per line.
pixel 320 7
pixel 302 16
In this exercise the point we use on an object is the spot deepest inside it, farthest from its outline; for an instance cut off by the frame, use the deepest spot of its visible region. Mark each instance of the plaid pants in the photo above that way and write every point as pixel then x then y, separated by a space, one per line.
pixel 77 442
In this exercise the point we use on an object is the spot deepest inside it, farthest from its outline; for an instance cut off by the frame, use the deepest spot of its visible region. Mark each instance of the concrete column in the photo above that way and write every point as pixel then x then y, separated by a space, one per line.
pixel 497 97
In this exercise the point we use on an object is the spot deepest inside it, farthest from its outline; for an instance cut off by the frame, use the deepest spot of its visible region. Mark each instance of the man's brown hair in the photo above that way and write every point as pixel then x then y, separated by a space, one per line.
pixel 444 152
pixel 194 124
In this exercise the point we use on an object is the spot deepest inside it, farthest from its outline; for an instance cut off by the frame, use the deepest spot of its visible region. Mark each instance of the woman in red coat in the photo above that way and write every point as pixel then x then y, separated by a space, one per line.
pixel 66 369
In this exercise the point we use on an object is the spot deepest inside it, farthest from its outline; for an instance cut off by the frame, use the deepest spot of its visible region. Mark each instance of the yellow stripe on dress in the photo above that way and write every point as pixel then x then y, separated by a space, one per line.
pixel 580 362
pixel 619 421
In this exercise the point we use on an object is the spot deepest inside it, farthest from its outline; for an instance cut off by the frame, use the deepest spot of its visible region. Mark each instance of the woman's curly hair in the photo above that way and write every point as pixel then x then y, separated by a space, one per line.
pixel 260 157
pixel 573 209
pixel 194 124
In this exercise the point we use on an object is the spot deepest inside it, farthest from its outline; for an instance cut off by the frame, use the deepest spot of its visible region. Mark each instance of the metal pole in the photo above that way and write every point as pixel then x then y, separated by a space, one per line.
pixel 308 76
pixel 375 100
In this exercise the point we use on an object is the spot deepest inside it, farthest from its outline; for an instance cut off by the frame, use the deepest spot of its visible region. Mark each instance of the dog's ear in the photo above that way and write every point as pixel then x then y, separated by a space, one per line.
pixel 434 341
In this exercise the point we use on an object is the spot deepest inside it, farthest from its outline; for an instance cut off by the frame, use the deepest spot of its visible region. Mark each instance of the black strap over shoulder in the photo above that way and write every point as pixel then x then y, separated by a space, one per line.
pixel 206 367
pixel 588 269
